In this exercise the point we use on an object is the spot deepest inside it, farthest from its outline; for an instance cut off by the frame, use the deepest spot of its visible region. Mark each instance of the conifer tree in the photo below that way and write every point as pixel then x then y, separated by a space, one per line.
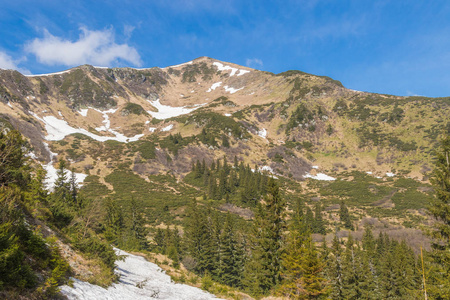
pixel 440 209
pixel 344 215
pixel 231 255
pixel 263 271
pixel 114 221
pixel 137 229
pixel 197 239
pixel 318 223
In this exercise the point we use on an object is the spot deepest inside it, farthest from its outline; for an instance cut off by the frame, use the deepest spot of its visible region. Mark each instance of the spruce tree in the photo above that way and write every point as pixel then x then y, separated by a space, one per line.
pixel 440 209
pixel 231 255
pixel 344 215
pixel 113 222
pixel 263 271
pixel 197 239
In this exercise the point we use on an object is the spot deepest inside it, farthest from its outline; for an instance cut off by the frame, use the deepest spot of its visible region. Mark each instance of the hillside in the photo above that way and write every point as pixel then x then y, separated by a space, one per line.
pixel 151 140
pixel 292 124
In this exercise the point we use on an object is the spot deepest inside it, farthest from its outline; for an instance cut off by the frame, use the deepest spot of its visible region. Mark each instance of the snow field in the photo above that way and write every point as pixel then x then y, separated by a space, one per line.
pixel 166 112
pixel 139 279
pixel 58 129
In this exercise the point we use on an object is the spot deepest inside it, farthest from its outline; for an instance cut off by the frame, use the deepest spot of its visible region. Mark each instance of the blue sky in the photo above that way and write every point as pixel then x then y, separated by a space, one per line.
pixel 399 47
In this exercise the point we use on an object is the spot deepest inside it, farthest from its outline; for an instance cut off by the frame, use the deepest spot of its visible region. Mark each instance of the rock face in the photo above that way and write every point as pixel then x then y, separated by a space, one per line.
pixel 139 279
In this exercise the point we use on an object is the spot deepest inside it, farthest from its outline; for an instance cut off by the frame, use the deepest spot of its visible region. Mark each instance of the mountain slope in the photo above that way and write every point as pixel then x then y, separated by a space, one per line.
pixel 142 130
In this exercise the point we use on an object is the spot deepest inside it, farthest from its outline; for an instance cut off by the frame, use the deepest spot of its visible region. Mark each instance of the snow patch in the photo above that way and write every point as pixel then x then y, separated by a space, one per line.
pixel 242 72
pixel 151 129
pixel 221 67
pixel 315 167
pixel 166 112
pixel 262 133
pixel 58 129
pixel 52 175
pixel 227 115
pixel 60 114
pixel 231 90
pixel 214 86
pixel 31 155
pixel 49 74
pixel 176 66
pixel 369 173
pixel 9 104
pixel 319 176
pixel 268 169
pixel 389 174
pixel 83 112
pixel 139 279
pixel 168 128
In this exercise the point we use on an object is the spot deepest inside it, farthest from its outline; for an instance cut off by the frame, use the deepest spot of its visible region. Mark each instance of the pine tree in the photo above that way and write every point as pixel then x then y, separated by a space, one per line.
pixel 263 271
pixel 303 267
pixel 138 232
pixel 73 189
pixel 318 223
pixel 344 215
pixel 197 239
pixel 113 222
pixel 334 272
pixel 62 185
pixel 231 256
pixel 440 209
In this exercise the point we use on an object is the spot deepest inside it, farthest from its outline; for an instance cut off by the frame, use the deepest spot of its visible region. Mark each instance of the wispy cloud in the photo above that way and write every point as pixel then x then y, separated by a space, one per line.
pixel 96 47
pixel 254 63
pixel 8 63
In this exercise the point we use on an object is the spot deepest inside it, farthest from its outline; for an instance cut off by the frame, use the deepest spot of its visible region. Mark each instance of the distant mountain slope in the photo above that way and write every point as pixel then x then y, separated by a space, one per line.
pixel 301 119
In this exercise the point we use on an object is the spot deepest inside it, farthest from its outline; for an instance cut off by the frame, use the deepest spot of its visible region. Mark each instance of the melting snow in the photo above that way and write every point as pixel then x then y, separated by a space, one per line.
pixel 231 90
pixel 60 114
pixel 175 66
pixel 262 133
pixel 52 172
pixel 242 72
pixel 389 174
pixel 58 129
pixel 268 169
pixel 139 279
pixel 320 176
pixel 221 67
pixel 49 74
pixel 165 111
pixel 83 112
pixel 168 128
pixel 214 86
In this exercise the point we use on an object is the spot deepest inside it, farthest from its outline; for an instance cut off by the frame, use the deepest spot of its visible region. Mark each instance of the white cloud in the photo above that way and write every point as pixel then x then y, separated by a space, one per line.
pixel 253 62
pixel 95 47
pixel 8 63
